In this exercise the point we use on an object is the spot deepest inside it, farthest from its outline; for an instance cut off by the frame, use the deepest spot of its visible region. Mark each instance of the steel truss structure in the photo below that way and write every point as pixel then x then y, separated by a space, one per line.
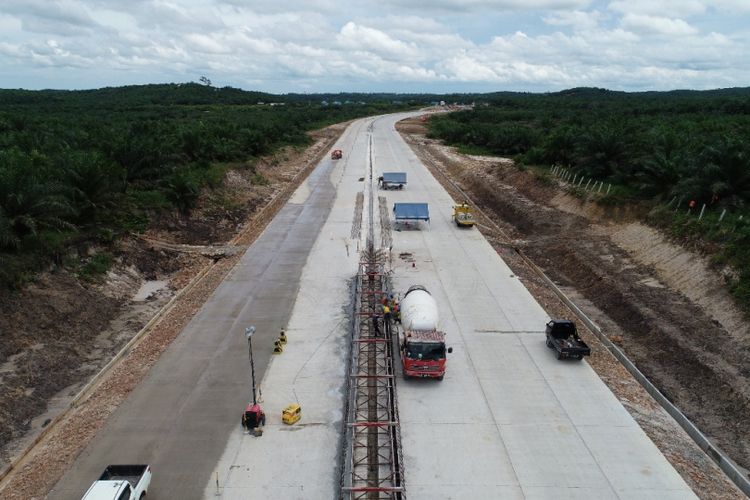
pixel 373 461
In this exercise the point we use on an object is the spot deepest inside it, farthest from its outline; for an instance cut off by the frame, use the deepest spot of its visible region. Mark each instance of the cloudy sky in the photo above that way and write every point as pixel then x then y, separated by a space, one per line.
pixel 387 45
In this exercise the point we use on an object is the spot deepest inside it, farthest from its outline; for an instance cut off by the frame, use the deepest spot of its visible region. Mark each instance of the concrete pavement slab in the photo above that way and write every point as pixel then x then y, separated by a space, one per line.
pixel 539 414
pixel 301 461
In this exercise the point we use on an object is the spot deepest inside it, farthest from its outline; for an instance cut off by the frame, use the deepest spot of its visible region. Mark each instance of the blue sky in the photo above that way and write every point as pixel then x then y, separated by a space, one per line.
pixel 385 45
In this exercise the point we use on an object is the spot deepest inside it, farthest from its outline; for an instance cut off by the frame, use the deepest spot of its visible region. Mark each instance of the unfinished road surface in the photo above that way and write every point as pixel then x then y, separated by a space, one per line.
pixel 509 420
pixel 179 418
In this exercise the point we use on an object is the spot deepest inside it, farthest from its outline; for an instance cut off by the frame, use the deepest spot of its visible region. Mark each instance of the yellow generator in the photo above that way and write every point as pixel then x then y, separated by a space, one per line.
pixel 463 215
pixel 291 414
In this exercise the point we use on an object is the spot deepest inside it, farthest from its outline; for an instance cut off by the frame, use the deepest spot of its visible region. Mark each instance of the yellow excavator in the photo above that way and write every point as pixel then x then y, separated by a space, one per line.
pixel 463 215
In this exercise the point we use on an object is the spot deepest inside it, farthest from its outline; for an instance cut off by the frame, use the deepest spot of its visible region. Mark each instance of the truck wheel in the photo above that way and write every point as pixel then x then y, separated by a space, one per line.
pixel 143 495
pixel 549 344
pixel 559 355
pixel 406 377
pixel 440 378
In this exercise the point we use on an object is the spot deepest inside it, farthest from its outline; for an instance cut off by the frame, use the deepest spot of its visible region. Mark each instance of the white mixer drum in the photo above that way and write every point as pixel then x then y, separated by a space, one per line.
pixel 419 310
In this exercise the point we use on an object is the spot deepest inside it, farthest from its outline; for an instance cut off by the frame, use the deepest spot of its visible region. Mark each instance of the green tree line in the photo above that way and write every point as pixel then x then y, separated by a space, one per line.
pixel 693 145
pixel 656 148
pixel 84 166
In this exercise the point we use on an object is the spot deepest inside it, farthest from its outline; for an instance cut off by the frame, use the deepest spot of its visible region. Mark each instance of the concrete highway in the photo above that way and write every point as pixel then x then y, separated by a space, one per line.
pixel 508 421
pixel 179 418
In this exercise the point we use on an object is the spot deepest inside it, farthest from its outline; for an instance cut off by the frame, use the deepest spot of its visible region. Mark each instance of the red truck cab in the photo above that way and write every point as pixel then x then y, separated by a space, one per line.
pixel 423 354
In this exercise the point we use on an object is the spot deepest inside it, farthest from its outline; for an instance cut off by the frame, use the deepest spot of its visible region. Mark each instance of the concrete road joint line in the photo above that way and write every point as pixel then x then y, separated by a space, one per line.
pixel 477 379
pixel 460 243
pixel 572 423
pixel 716 454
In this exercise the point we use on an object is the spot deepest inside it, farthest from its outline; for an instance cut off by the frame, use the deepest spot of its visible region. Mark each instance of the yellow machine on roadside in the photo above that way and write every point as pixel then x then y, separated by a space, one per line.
pixel 291 414
pixel 463 215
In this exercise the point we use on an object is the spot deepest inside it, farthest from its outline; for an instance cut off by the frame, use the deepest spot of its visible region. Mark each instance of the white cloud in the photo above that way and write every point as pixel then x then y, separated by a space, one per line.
pixel 660 8
pixel 326 44
pixel 465 68
pixel 578 20
pixel 657 25
pixel 488 5
pixel 740 6
pixel 205 43
pixel 356 37
pixel 63 17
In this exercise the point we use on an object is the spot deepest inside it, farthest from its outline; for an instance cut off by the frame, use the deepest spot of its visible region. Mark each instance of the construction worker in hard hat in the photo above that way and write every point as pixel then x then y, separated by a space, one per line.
pixel 387 318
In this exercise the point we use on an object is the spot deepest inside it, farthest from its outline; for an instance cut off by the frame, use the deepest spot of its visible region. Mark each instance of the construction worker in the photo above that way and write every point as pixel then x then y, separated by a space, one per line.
pixel 376 325
pixel 387 319
pixel 396 313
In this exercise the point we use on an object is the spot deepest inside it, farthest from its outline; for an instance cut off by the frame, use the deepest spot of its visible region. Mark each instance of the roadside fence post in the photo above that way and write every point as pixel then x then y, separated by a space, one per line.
pixel 723 213
pixel 609 187
pixel 703 209
pixel 601 183
pixel 587 184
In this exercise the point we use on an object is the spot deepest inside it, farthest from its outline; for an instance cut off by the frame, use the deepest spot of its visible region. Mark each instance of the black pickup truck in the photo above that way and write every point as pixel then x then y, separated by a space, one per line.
pixel 562 336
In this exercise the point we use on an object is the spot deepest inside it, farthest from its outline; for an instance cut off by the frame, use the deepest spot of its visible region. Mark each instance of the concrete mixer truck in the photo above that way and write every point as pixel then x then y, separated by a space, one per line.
pixel 422 344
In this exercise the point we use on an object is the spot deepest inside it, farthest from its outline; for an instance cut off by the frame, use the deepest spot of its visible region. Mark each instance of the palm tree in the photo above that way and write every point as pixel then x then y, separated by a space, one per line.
pixel 30 198
pixel 721 174
pixel 560 145
pixel 604 151
pixel 94 183
pixel 660 172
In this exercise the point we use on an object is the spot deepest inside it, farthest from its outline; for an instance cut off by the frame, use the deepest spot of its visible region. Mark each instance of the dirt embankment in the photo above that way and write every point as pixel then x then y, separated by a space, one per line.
pixel 675 338
pixel 59 331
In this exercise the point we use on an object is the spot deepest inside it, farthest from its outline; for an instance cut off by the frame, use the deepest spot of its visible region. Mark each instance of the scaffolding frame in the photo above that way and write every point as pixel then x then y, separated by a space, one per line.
pixel 373 459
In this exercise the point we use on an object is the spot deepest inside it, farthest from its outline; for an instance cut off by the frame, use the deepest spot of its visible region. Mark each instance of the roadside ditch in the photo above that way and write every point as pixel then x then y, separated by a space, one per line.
pixel 685 352
pixel 62 331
